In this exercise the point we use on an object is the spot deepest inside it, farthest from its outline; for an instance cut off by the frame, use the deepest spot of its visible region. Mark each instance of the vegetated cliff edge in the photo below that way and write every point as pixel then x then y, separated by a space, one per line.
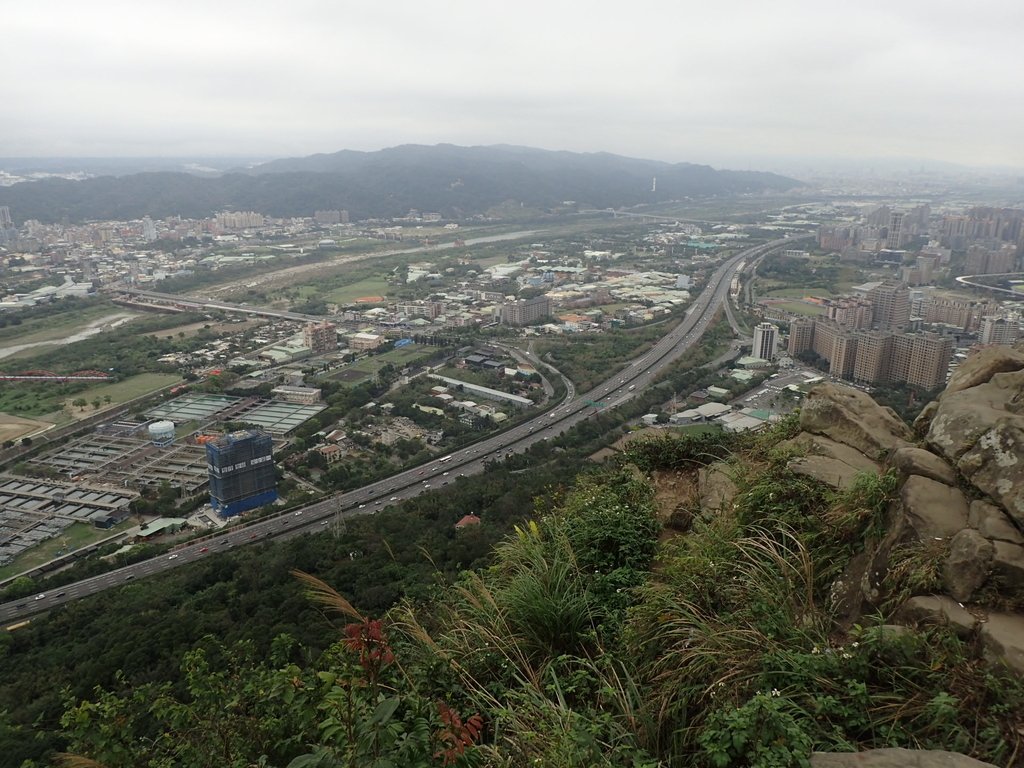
pixel 841 590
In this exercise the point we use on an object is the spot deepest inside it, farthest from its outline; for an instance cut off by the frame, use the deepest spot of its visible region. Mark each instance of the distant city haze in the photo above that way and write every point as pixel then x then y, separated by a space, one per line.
pixel 730 84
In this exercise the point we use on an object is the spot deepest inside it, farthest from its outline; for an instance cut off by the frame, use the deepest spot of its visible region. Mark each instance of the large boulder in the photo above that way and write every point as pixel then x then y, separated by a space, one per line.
pixel 1008 566
pixel 851 417
pixel 937 609
pixel 967 565
pixel 895 758
pixel 933 510
pixel 995 465
pixel 992 523
pixel 817 445
pixel 832 472
pixel 716 486
pixel 981 366
pixel 1002 638
pixel 962 417
pixel 917 461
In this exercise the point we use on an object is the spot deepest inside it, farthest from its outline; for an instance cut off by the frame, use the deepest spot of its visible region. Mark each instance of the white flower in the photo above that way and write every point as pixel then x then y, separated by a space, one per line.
pixel 775 692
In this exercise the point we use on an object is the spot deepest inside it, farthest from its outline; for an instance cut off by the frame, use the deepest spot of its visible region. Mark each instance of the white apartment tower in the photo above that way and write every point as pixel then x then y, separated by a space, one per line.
pixel 766 341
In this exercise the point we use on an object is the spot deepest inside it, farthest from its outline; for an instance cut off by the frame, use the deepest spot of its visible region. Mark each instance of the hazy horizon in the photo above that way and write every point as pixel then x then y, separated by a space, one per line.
pixel 711 85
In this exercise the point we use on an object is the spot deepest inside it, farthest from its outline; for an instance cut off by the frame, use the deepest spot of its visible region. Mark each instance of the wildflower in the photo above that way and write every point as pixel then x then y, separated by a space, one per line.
pixel 775 692
pixel 815 650
pixel 847 655
pixel 854 645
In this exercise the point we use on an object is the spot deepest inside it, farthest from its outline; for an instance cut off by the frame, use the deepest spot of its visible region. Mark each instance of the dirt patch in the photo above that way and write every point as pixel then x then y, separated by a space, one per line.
pixel 15 427
pixel 371 300
pixel 193 328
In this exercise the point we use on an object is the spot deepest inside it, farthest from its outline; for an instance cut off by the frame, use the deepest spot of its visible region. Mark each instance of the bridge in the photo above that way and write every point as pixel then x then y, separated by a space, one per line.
pixel 51 376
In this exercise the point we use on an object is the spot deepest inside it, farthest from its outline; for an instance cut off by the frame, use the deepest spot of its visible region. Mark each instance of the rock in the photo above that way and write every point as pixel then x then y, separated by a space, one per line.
pixel 933 510
pixel 832 472
pixel 817 445
pixel 937 609
pixel 1008 566
pixel 992 523
pixel 963 417
pixel 917 461
pixel 715 486
pixel 967 566
pixel 924 419
pixel 849 416
pixel 1002 638
pixel 981 366
pixel 895 758
pixel 845 597
pixel 995 465
pixel 680 519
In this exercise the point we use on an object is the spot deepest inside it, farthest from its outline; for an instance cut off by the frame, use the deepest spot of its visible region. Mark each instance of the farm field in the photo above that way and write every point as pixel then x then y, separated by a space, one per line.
pixel 130 388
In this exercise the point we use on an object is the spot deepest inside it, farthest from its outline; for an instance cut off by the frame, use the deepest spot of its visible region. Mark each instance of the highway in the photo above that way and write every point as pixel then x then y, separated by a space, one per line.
pixel 573 408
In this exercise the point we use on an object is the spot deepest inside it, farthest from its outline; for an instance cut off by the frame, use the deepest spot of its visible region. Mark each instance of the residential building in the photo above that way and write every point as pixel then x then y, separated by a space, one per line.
pixel 999 330
pixel 801 335
pixel 299 395
pixel 320 337
pixel 766 340
pixel 526 311
pixel 890 303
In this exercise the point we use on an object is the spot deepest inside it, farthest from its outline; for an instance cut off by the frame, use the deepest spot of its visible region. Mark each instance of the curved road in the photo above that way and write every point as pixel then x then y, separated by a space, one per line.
pixel 620 388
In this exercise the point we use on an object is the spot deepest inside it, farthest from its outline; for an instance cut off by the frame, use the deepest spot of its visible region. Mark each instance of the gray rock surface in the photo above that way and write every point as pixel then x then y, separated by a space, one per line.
pixel 818 445
pixel 832 472
pixel 895 758
pixel 852 418
pixel 1008 565
pixel 995 465
pixel 967 566
pixel 963 417
pixel 917 461
pixel 933 510
pixel 937 609
pixel 715 486
pixel 992 523
pixel 1002 637
pixel 981 366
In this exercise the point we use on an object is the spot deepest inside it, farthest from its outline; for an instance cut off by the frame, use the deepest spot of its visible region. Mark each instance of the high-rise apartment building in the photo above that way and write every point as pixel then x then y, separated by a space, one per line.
pixel 875 357
pixel 894 239
pixel 5 217
pixel 890 303
pixel 801 335
pixel 526 311
pixel 766 341
pixel 241 467
pixel 320 337
pixel 851 313
pixel 1001 330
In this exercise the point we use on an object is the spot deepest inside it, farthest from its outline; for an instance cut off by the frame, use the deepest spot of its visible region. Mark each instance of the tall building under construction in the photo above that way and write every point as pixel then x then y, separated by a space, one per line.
pixel 242 476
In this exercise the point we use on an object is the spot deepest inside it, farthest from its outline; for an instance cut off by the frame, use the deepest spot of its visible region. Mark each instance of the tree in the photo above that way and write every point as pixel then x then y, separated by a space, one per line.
pixel 79 402
pixel 106 399
pixel 96 403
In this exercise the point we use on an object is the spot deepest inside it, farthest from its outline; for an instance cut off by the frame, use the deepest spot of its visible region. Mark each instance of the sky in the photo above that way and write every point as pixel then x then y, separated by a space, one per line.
pixel 712 82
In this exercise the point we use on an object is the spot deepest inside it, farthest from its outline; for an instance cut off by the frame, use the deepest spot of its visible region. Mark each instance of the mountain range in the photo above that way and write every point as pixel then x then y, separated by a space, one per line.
pixel 454 181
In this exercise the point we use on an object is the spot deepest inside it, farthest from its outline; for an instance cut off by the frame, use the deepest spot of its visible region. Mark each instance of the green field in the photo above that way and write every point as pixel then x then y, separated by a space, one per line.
pixel 58 325
pixel 76 536
pixel 130 388
pixel 369 366
pixel 372 286
pixel 798 293
pixel 800 308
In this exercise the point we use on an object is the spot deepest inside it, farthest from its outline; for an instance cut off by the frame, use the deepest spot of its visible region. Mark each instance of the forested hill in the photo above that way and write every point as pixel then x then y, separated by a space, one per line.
pixel 454 181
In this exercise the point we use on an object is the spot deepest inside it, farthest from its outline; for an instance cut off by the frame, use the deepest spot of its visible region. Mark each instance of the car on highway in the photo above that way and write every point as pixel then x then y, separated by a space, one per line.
pixel 425 486
pixel 173 557
pixel 362 506
pixel 40 596
pixel 129 576
pixel 324 522
pixel 393 498
pixel 298 513
pixel 444 474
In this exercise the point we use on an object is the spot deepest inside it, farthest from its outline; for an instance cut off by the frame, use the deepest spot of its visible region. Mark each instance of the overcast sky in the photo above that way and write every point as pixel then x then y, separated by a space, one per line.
pixel 691 81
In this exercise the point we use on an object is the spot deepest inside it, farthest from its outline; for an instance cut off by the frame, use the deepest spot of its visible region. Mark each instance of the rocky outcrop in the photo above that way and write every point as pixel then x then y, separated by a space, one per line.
pixel 1002 637
pixel 933 510
pixel 992 523
pixel 716 487
pixel 917 461
pixel 937 609
pixel 895 758
pixel 980 367
pixel 831 472
pixel 852 418
pixel 995 465
pixel 967 565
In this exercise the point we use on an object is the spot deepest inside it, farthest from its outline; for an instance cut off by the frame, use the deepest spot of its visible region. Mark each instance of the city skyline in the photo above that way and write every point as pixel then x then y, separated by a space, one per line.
pixel 705 85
